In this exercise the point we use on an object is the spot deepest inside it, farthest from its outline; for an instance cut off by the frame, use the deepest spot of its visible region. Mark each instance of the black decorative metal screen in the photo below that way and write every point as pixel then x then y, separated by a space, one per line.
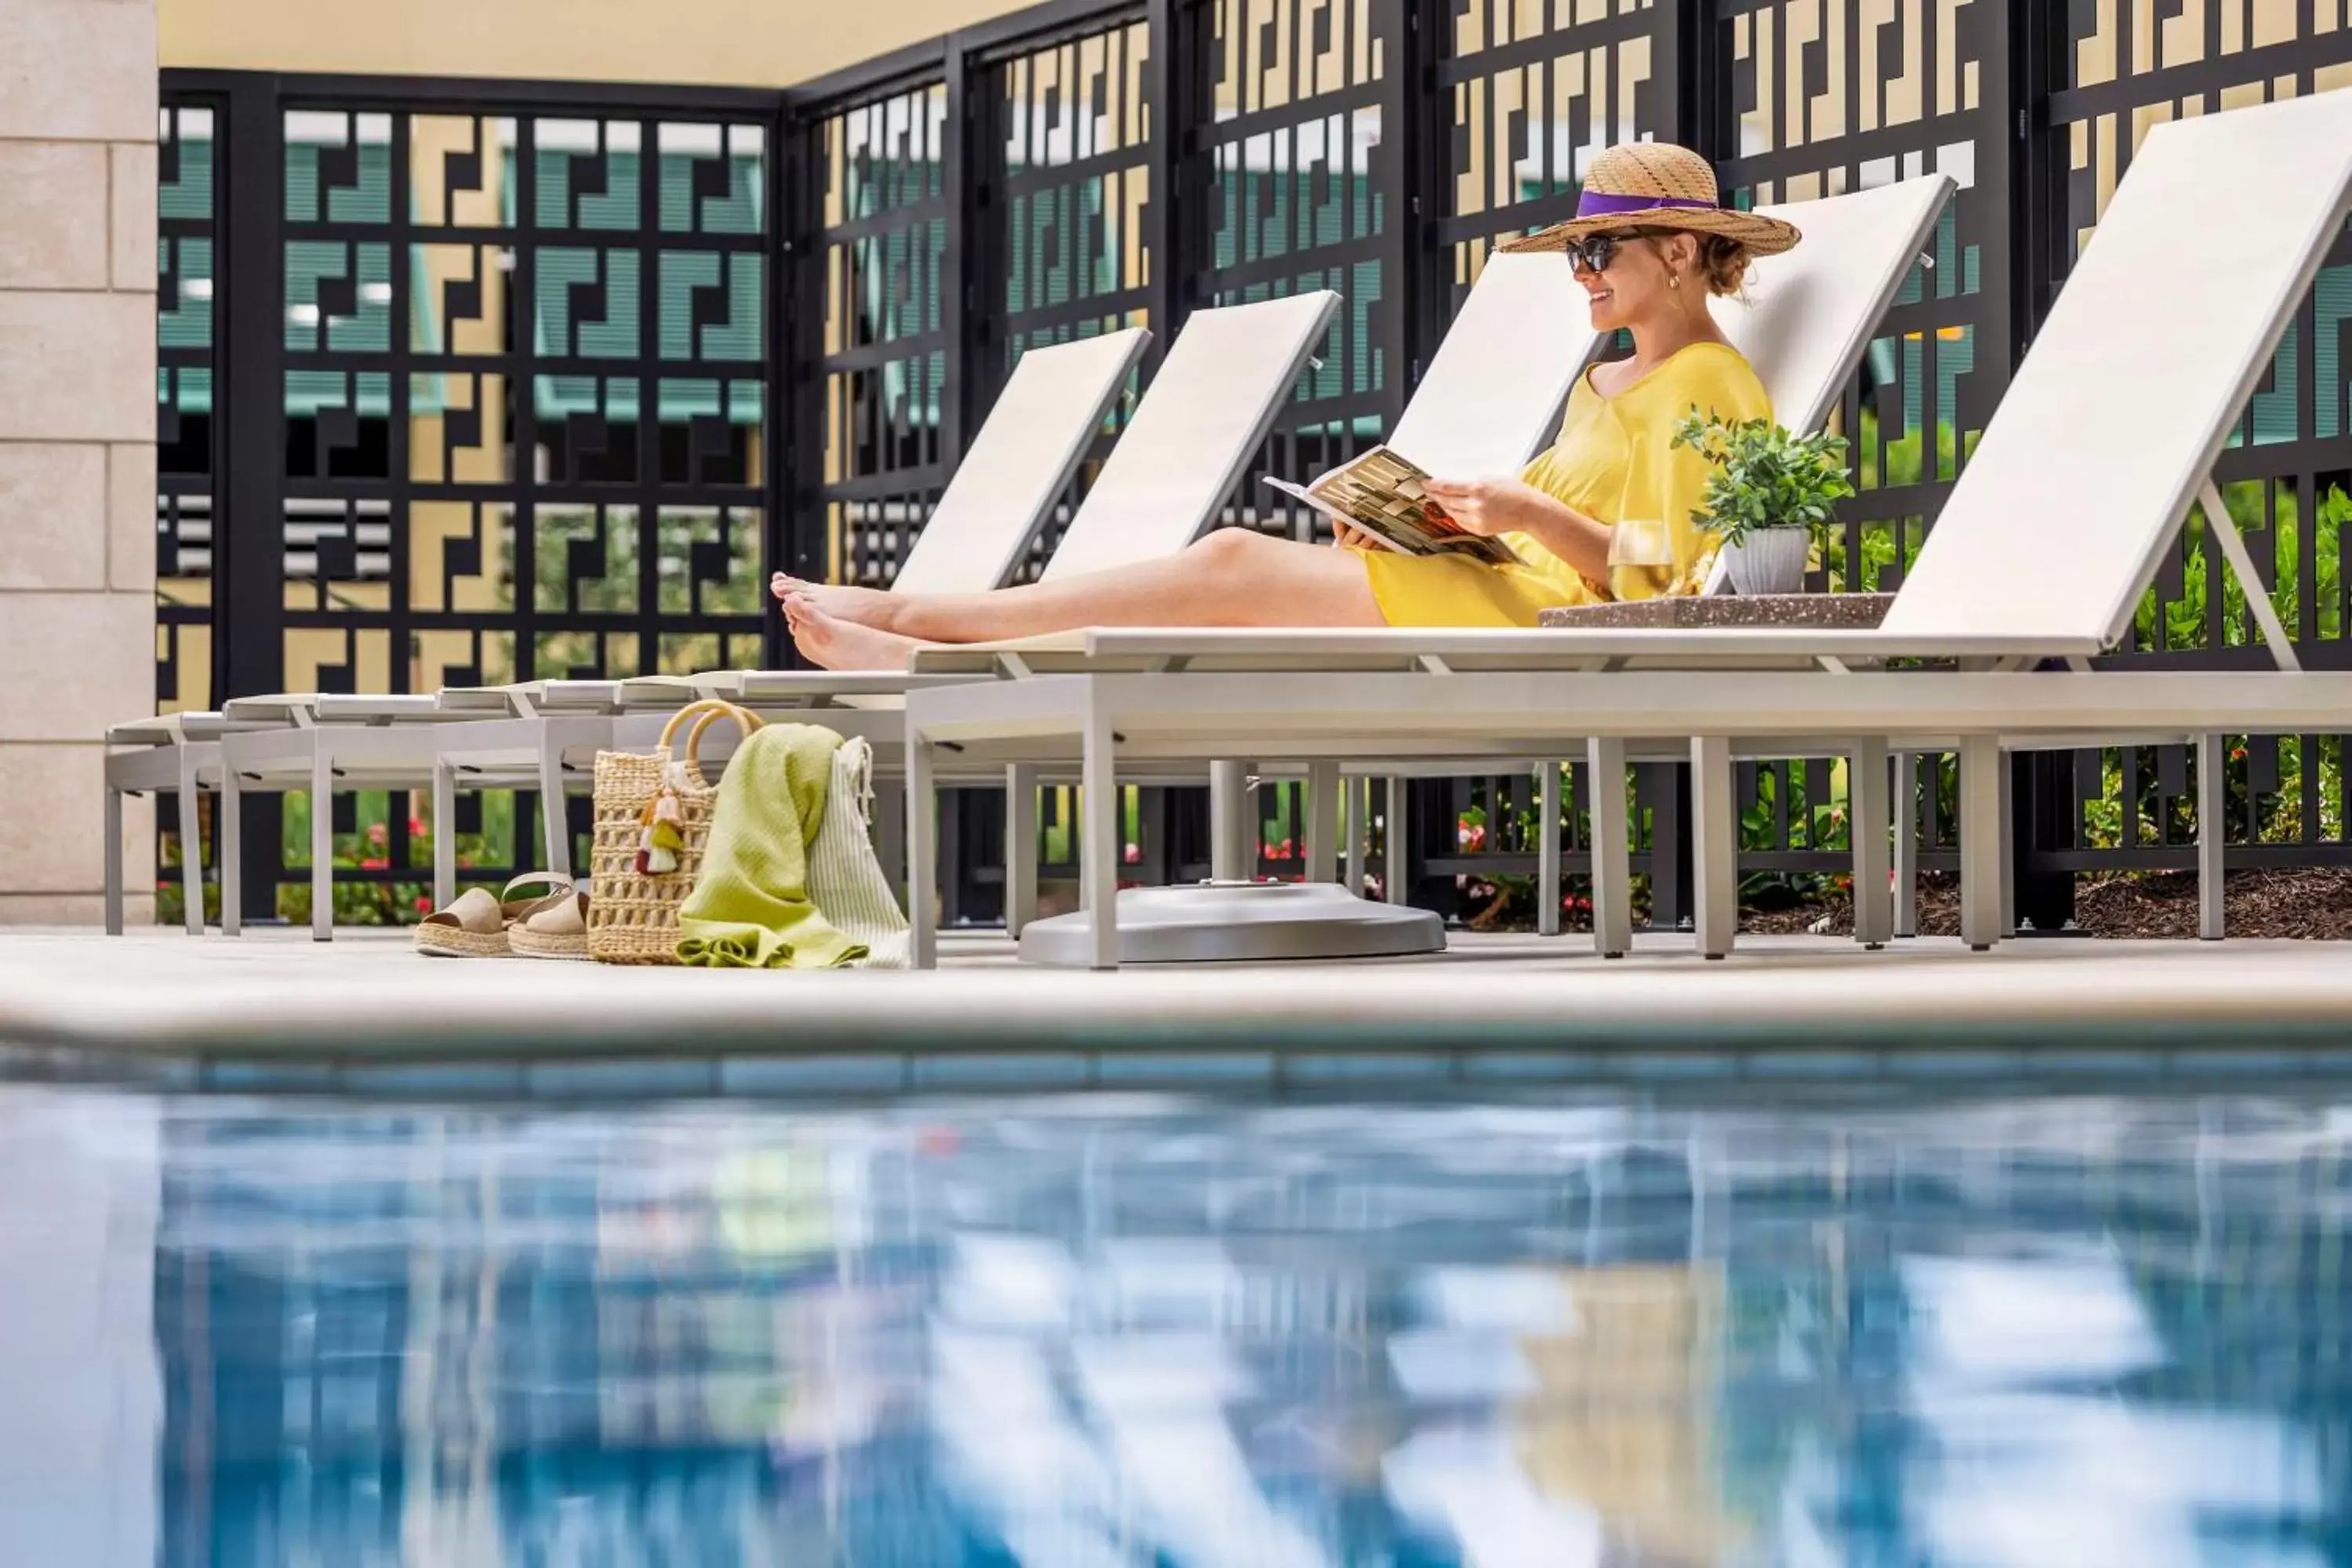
pixel 1290 179
pixel 2286 476
pixel 525 394
pixel 1528 96
pixel 500 363
pixel 871 329
pixel 1826 97
pixel 1063 145
pixel 541 379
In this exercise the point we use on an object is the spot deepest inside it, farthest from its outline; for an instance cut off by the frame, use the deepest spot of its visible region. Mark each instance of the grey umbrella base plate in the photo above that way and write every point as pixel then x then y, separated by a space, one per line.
pixel 1240 922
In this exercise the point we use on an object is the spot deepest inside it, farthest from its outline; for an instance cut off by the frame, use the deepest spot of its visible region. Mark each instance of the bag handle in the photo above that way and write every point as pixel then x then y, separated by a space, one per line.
pixel 704 713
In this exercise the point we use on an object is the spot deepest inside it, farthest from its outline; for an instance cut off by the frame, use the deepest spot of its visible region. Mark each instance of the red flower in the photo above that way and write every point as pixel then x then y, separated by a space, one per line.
pixel 377 864
pixel 423 905
pixel 1135 854
pixel 376 833
pixel 416 826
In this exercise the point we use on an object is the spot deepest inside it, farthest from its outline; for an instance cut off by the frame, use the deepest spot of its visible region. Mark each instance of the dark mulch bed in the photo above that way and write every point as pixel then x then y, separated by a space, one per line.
pixel 2313 904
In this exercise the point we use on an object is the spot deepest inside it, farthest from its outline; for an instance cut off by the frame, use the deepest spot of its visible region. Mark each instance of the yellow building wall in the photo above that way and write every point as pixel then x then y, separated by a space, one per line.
pixel 734 43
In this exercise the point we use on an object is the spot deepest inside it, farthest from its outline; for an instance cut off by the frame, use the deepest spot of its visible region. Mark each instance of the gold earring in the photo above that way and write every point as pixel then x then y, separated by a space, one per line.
pixel 1674 279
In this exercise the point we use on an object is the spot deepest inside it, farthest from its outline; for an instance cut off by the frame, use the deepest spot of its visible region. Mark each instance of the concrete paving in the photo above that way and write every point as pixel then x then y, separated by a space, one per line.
pixel 368 997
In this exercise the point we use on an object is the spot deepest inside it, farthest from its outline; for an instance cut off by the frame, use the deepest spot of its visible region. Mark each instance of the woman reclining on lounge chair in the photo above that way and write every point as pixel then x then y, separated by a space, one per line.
pixel 1650 244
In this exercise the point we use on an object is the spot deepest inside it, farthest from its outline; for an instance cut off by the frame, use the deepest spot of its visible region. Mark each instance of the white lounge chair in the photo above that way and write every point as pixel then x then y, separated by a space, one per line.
pixel 1052 408
pixel 321 742
pixel 2083 476
pixel 544 735
pixel 1490 397
pixel 1804 322
pixel 1205 412
pixel 177 753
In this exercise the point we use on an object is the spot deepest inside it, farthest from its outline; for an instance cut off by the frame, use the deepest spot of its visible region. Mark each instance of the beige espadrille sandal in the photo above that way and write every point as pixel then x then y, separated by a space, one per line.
pixel 556 927
pixel 476 924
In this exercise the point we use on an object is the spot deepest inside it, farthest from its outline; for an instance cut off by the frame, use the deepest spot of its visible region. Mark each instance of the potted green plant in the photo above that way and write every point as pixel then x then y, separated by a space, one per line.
pixel 1771 493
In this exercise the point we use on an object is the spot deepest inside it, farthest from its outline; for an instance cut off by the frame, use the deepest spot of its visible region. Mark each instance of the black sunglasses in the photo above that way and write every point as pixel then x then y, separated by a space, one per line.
pixel 1595 252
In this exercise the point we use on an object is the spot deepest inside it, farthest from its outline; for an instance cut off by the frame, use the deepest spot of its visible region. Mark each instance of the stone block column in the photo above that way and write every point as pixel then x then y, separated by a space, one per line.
pixel 77 128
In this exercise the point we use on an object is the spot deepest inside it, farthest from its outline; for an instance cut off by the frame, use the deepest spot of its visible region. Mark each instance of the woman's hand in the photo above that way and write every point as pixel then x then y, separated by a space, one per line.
pixel 1347 536
pixel 1488 507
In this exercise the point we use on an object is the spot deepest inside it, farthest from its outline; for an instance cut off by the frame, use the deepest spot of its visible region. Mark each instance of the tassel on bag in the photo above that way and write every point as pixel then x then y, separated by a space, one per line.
pixel 661 838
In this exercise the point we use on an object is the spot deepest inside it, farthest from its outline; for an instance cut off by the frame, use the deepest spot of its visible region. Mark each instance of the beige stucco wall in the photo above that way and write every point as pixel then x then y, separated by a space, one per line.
pixel 748 43
pixel 77 441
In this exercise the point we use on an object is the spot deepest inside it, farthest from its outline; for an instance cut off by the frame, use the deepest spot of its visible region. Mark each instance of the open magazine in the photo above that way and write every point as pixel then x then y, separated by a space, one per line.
pixel 1380 493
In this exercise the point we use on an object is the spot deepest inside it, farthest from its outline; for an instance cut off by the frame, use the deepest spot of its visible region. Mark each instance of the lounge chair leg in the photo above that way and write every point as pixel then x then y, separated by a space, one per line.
pixel 1715 844
pixel 1359 830
pixel 554 821
pixel 1020 846
pixel 323 840
pixel 923 840
pixel 1612 876
pixel 1866 783
pixel 1981 842
pixel 1392 844
pixel 1098 824
pixel 1230 856
pixel 1547 848
pixel 2212 795
pixel 1323 822
pixel 444 835
pixel 1907 845
pixel 113 861
pixel 230 832
pixel 192 846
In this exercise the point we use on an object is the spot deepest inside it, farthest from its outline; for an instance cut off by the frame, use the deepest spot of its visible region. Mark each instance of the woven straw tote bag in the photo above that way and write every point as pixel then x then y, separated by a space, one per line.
pixel 633 911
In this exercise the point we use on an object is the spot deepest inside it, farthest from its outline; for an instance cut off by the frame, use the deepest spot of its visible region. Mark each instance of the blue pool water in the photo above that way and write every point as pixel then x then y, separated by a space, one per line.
pixel 1151 1333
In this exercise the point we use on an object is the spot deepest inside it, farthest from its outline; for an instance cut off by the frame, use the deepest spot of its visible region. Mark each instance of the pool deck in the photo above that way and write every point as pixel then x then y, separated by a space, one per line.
pixel 1494 1007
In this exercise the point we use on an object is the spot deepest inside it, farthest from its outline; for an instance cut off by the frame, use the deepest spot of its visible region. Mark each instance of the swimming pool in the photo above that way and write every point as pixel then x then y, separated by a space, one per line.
pixel 1882 1327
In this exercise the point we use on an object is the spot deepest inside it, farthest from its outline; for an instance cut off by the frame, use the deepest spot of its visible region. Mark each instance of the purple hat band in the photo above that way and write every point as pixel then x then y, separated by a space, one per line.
pixel 1598 204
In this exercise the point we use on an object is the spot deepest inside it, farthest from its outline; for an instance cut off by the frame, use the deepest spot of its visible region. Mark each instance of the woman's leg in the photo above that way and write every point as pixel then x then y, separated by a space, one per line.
pixel 1230 578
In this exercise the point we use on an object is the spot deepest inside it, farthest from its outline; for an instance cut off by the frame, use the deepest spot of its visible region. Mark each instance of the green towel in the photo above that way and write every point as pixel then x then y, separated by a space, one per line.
pixel 750 907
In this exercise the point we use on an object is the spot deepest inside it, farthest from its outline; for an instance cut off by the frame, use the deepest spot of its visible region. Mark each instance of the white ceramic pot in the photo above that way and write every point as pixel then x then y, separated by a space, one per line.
pixel 1770 560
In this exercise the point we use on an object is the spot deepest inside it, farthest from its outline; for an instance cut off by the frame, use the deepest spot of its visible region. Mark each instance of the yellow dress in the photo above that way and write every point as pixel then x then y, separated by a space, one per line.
pixel 1615 459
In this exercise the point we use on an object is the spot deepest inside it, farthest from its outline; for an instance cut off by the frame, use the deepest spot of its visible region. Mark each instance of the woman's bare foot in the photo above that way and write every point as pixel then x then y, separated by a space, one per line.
pixel 862 606
pixel 836 644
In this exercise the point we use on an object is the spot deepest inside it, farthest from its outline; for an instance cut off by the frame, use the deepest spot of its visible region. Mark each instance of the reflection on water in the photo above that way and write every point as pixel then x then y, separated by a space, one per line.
pixel 1166 1334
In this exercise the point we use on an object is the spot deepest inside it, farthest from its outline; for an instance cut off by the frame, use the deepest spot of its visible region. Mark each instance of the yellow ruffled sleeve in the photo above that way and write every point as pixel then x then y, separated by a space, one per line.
pixel 1669 483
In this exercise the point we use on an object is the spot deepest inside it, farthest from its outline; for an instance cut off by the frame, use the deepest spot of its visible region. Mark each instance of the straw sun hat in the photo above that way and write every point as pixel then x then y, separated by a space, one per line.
pixel 1656 185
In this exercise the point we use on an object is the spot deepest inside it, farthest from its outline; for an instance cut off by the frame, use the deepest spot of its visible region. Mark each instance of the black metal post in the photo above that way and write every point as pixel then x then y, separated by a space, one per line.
pixel 1431 811
pixel 962 314
pixel 1167 90
pixel 1671 889
pixel 2021 50
pixel 1691 80
pixel 789 169
pixel 249 530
